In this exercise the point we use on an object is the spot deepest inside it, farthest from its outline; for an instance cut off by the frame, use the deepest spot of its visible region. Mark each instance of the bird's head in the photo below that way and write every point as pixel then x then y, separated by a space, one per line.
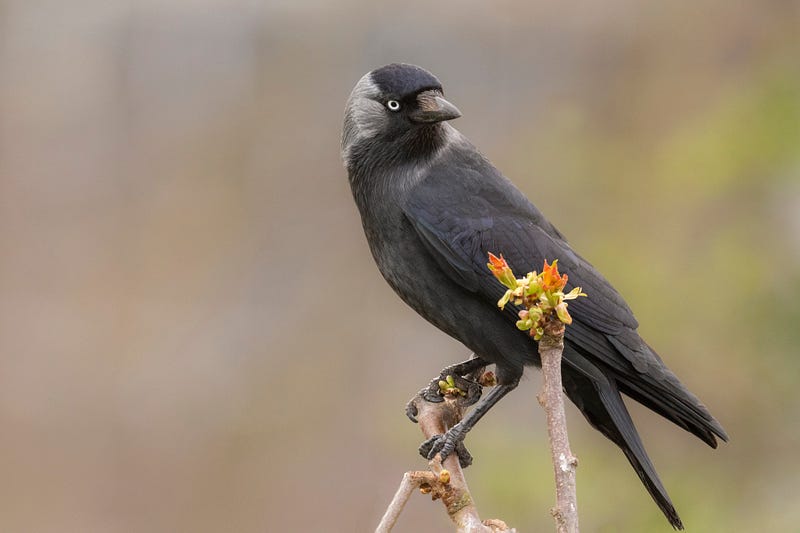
pixel 397 103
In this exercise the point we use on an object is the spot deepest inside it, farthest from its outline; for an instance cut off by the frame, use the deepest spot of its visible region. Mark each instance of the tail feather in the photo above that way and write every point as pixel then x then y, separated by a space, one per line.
pixel 639 372
pixel 661 390
pixel 693 417
pixel 600 402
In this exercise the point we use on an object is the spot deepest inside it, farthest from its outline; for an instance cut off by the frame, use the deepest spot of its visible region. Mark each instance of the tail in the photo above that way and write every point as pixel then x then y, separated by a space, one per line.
pixel 667 396
pixel 600 402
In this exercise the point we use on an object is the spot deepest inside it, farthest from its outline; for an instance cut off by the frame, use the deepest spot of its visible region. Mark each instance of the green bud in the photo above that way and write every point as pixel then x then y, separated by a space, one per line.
pixel 574 293
pixel 501 303
pixel 563 315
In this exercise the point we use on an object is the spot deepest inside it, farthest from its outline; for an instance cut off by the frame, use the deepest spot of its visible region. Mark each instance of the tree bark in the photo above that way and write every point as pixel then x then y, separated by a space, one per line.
pixel 551 346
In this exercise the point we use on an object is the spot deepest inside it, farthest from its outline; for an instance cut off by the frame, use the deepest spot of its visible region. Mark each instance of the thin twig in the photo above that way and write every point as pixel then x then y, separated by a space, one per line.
pixel 551 346
pixel 445 481
pixel 411 481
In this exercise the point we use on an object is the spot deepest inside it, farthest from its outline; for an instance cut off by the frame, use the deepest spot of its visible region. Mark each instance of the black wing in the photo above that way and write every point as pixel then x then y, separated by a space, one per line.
pixel 463 215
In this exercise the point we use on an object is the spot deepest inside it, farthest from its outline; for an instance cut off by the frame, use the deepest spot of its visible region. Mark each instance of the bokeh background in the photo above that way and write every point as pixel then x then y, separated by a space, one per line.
pixel 193 336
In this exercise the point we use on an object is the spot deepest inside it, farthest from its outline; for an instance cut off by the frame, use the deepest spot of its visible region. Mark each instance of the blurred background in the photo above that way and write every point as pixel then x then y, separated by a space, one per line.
pixel 193 336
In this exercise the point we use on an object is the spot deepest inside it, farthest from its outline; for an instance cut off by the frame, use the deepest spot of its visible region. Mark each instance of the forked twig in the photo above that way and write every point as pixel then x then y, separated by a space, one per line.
pixel 445 480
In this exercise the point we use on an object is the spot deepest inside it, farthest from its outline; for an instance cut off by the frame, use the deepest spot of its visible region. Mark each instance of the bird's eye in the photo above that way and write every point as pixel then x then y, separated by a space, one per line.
pixel 393 105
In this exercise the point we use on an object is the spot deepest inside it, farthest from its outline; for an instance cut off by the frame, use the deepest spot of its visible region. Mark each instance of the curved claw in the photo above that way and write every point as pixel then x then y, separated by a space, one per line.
pixel 411 410
pixel 426 449
pixel 445 445
pixel 464 457
pixel 432 393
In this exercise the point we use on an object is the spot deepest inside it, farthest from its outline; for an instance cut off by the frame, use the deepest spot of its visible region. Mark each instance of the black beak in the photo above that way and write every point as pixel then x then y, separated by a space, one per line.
pixel 432 108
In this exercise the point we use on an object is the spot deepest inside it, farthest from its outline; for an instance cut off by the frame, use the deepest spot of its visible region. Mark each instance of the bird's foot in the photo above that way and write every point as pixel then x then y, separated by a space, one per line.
pixel 454 384
pixel 446 383
pixel 452 441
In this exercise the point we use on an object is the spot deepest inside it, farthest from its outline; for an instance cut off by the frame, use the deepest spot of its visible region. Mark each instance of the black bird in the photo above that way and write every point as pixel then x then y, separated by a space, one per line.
pixel 432 207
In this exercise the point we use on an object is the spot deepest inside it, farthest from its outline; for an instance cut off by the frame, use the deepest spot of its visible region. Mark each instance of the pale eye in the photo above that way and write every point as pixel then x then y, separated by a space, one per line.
pixel 393 105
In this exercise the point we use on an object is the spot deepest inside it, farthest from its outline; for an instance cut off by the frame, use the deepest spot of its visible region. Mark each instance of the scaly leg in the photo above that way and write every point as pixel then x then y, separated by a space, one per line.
pixel 453 440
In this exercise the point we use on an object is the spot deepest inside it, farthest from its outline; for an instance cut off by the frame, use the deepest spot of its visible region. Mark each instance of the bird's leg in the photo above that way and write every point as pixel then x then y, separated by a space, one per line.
pixel 453 440
pixel 463 375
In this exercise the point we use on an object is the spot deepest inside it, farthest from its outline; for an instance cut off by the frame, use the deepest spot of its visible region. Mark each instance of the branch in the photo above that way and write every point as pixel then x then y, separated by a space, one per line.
pixel 411 481
pixel 445 480
pixel 551 399
pixel 543 315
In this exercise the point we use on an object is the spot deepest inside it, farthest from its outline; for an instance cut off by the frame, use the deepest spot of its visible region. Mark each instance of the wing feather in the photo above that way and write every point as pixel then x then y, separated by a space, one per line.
pixel 500 220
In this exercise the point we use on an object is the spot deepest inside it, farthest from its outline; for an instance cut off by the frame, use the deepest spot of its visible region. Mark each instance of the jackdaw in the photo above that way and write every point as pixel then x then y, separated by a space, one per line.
pixel 432 207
